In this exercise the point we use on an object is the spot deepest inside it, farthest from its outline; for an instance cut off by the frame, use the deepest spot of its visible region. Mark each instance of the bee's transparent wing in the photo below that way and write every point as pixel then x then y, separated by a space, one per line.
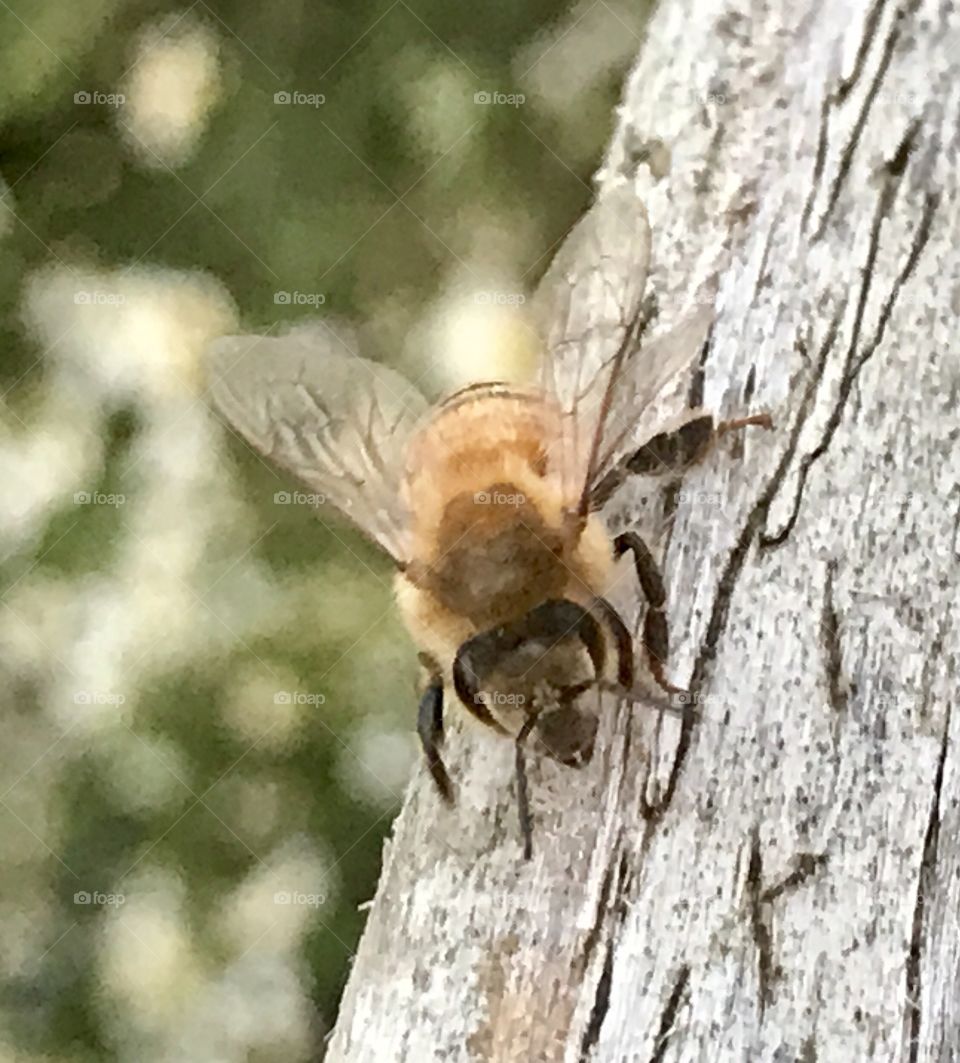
pixel 587 310
pixel 338 422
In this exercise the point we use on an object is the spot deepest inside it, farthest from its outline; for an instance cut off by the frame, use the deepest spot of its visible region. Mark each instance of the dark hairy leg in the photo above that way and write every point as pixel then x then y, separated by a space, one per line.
pixel 672 452
pixel 523 793
pixel 656 637
pixel 676 451
pixel 430 730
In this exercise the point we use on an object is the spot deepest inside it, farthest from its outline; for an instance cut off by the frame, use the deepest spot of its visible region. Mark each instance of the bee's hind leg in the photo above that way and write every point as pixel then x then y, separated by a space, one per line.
pixel 675 451
pixel 523 794
pixel 672 452
pixel 430 730
pixel 656 634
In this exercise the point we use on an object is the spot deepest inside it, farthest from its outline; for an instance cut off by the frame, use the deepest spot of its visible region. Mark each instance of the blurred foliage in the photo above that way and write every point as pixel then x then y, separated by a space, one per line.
pixel 372 199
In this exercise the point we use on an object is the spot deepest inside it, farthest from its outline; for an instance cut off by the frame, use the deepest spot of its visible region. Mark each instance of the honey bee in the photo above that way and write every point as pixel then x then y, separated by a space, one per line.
pixel 489 503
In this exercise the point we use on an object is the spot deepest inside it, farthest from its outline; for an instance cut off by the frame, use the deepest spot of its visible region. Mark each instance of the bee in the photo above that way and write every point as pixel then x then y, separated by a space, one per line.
pixel 489 502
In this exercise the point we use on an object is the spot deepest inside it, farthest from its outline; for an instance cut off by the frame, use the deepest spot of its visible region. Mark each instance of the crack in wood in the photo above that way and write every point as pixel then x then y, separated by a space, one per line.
pixel 763 278
pixel 595 932
pixel 837 690
pixel 805 866
pixel 618 906
pixel 853 364
pixel 601 1005
pixel 850 149
pixel 670 1011
pixel 808 1050
pixel 819 161
pixel 913 1013
pixel 749 385
pixel 760 904
pixel 833 100
pixel 698 377
pixel 760 924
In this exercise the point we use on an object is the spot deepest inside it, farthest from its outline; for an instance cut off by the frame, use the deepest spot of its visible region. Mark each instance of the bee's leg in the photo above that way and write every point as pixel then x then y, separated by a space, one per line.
pixel 675 451
pixel 523 795
pixel 623 641
pixel 430 730
pixel 473 655
pixel 656 635
pixel 672 452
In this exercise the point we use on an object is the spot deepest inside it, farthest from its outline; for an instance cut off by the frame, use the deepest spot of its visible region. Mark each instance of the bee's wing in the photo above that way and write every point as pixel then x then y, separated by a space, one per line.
pixel 587 310
pixel 338 422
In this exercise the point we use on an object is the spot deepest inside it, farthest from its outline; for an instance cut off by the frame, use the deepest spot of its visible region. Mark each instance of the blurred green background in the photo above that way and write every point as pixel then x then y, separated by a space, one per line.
pixel 208 700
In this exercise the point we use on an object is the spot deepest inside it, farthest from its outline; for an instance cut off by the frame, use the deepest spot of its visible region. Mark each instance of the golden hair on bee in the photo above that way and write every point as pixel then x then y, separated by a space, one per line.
pixel 488 520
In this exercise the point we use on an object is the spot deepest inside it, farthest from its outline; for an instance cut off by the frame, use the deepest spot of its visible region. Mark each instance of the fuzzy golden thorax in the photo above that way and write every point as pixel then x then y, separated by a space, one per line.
pixel 489 528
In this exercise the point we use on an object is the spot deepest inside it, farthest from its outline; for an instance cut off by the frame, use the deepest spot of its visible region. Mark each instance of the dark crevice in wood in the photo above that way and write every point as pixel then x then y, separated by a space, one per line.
pixel 764 540
pixel 603 907
pixel 850 149
pixel 833 99
pixel 763 280
pixel 819 161
pixel 760 926
pixel 830 642
pixel 670 1011
pixel 926 880
pixel 808 1050
pixel 749 386
pixel 930 204
pixel 854 364
pixel 870 25
pixel 695 392
pixel 612 899
pixel 805 866
pixel 601 1005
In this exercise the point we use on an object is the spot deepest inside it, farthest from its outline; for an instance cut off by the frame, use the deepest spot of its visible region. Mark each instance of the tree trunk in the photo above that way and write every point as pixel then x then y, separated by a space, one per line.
pixel 777 878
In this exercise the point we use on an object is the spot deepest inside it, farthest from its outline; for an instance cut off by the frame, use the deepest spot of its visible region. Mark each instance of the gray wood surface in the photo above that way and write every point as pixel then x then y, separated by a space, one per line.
pixel 777 880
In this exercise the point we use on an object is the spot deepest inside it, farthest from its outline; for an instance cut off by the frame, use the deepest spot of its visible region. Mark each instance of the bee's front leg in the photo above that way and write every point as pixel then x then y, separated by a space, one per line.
pixel 656 634
pixel 430 729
